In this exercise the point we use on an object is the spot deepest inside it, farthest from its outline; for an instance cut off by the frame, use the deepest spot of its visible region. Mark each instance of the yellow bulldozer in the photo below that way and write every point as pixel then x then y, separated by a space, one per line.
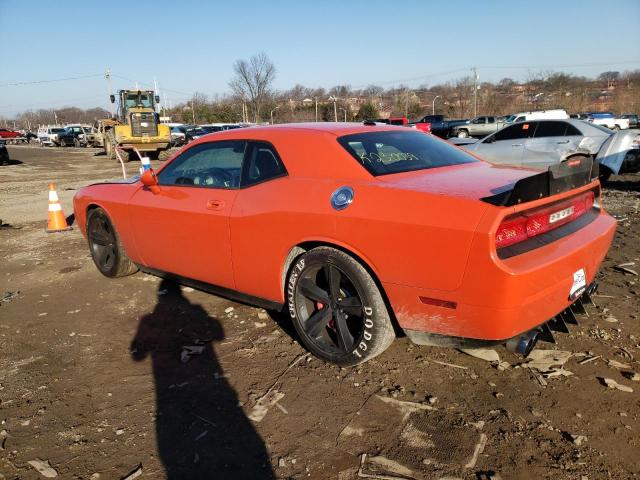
pixel 137 125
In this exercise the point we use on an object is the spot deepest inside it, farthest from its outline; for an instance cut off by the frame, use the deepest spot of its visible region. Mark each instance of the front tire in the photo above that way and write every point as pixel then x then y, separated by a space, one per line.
pixel 337 308
pixel 106 249
pixel 463 134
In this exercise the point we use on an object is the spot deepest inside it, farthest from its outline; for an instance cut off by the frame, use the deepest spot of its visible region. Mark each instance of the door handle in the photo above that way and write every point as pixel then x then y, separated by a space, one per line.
pixel 516 144
pixel 215 204
pixel 565 141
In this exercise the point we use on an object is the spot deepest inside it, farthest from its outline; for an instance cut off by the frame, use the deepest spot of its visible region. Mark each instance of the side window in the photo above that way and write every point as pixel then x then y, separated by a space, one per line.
pixel 213 165
pixel 513 132
pixel 571 130
pixel 551 129
pixel 262 163
pixel 491 119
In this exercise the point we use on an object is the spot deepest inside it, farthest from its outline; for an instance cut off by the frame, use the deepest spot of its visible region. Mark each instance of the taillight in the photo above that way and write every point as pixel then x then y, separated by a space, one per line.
pixel 528 224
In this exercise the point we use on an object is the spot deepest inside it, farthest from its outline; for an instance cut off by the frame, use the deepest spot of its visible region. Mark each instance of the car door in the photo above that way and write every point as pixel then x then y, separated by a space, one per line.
pixel 476 127
pixel 489 126
pixel 505 146
pixel 259 243
pixel 184 228
pixel 552 141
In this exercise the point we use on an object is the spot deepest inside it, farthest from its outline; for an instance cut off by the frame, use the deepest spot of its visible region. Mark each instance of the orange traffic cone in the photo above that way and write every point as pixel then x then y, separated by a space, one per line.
pixel 57 221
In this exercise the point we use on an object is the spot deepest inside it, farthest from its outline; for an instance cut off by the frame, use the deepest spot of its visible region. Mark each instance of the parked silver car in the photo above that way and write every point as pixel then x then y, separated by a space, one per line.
pixel 477 127
pixel 541 143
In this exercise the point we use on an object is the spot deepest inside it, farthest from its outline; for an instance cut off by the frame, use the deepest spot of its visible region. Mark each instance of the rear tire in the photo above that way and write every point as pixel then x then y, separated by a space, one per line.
pixel 337 308
pixel 106 248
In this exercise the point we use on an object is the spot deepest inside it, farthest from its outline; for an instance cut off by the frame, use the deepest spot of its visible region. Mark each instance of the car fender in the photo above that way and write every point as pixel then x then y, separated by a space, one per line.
pixel 615 148
pixel 309 243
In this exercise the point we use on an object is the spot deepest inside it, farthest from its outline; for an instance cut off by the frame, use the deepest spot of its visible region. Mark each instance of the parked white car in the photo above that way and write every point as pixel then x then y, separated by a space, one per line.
pixel 608 120
pixel 557 114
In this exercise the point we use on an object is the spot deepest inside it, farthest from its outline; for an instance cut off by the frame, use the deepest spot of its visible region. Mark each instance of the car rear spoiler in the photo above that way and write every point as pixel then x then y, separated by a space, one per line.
pixel 565 176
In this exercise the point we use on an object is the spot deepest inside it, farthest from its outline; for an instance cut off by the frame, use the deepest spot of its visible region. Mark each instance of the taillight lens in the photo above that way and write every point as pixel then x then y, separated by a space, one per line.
pixel 528 224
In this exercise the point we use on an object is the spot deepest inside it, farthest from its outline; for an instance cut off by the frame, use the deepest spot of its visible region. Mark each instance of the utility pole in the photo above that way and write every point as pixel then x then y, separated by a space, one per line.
pixel 155 92
pixel 475 92
pixel 107 76
pixel 406 104
pixel 335 108
pixel 316 98
pixel 193 113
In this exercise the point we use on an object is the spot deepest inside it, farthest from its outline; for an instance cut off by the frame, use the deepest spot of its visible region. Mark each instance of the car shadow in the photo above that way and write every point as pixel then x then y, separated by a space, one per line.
pixel 202 432
pixel 11 161
pixel 283 320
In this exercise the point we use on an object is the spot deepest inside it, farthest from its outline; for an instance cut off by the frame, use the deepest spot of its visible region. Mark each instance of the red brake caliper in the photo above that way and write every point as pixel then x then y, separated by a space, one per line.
pixel 332 323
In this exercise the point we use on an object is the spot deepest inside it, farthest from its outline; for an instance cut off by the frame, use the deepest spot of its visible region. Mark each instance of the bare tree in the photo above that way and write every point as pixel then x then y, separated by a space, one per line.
pixel 253 79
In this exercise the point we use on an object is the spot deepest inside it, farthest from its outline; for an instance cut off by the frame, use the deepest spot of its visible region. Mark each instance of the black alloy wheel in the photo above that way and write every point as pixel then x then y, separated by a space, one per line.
pixel 337 308
pixel 106 250
pixel 330 309
pixel 102 242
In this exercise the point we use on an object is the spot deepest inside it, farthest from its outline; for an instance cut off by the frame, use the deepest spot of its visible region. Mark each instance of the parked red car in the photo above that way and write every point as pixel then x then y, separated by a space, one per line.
pixel 5 133
pixel 357 229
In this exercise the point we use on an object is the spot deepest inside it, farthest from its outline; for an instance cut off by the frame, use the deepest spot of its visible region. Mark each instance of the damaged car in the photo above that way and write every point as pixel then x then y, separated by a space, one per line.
pixel 541 143
pixel 361 231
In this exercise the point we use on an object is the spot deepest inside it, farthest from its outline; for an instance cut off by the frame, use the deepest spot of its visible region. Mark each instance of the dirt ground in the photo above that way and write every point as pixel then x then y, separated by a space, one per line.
pixel 105 379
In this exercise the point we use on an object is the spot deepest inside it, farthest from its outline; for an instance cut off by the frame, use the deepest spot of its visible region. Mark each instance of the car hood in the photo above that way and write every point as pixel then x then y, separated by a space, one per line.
pixel 473 180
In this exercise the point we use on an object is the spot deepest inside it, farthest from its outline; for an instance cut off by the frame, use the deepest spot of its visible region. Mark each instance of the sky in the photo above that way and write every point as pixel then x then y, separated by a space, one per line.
pixel 190 46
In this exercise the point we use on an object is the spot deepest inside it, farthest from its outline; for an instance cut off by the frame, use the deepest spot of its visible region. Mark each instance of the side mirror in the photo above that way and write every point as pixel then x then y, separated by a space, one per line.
pixel 157 98
pixel 112 98
pixel 150 180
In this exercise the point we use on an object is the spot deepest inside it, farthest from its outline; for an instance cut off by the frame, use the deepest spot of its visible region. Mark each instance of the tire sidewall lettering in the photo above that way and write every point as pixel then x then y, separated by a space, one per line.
pixel 291 286
pixel 367 334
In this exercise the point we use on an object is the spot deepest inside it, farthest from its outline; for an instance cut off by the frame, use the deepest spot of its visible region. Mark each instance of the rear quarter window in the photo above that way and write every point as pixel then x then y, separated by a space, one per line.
pixel 383 153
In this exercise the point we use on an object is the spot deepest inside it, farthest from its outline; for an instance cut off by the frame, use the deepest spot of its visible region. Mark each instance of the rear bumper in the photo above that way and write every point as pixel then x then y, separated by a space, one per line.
pixel 500 299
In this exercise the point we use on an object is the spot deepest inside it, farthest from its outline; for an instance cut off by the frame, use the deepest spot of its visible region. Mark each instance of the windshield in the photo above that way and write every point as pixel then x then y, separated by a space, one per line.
pixel 138 99
pixel 383 153
pixel 509 119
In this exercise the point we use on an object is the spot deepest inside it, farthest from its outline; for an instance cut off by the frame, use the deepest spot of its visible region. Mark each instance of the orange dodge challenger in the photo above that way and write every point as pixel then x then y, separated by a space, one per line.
pixel 361 231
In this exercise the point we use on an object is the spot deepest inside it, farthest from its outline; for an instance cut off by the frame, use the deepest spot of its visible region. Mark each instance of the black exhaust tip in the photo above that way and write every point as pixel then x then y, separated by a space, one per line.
pixel 523 344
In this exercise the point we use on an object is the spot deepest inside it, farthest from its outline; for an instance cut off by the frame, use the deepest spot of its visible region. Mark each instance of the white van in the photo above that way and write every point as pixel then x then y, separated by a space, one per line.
pixel 557 114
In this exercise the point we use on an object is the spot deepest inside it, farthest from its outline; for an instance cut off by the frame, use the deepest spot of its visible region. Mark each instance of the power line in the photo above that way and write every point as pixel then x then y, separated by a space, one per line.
pixel 576 65
pixel 15 84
